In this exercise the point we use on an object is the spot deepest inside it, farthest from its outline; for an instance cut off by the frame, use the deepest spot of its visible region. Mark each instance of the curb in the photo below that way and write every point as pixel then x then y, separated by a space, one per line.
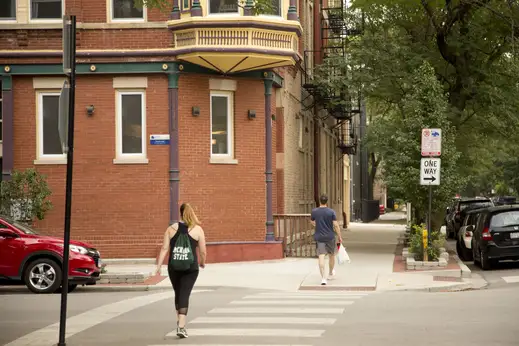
pixel 121 288
pixel 465 271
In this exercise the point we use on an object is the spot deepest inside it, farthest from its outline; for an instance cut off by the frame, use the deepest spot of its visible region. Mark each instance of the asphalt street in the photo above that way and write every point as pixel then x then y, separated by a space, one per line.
pixel 235 316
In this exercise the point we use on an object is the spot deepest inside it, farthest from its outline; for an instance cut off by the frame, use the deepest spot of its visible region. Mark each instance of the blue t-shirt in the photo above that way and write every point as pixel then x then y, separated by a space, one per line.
pixel 324 218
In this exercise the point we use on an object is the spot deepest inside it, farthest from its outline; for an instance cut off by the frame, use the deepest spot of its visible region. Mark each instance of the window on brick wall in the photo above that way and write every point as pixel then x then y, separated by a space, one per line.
pixel 222 124
pixel 223 6
pixel 131 127
pixel 46 9
pixel 8 10
pixel 49 144
pixel 125 10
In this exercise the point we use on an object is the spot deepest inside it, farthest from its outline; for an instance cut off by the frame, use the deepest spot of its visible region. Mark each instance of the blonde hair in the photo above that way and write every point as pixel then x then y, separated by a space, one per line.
pixel 188 215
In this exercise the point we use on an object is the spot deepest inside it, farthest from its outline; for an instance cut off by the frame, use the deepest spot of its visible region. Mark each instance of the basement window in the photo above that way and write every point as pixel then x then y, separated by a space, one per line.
pixel 46 9
pixel 126 10
pixel 8 10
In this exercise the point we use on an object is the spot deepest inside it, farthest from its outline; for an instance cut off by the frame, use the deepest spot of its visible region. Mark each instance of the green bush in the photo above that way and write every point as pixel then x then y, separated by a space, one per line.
pixel 25 196
pixel 436 242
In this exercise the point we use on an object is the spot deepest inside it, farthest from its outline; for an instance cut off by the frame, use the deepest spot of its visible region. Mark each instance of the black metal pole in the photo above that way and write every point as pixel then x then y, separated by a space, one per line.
pixel 68 192
pixel 429 218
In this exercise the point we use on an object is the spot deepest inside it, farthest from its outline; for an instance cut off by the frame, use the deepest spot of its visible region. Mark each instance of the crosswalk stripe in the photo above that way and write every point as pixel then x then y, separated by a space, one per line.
pixel 293 302
pixel 511 279
pixel 228 345
pixel 313 293
pixel 262 320
pixel 275 310
pixel 298 333
pixel 312 297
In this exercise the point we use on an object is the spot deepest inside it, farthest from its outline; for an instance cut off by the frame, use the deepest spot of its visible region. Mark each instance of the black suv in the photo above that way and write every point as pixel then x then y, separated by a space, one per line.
pixel 455 214
pixel 495 235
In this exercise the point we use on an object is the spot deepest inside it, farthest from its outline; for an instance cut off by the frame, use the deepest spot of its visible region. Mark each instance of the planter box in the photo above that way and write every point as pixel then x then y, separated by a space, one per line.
pixel 412 264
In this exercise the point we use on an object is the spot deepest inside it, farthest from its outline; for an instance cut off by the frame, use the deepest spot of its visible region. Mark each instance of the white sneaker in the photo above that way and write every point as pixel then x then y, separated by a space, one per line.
pixel 332 275
pixel 323 282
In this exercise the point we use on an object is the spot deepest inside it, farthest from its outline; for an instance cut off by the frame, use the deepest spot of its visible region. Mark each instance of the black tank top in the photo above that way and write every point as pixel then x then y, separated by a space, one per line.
pixel 182 228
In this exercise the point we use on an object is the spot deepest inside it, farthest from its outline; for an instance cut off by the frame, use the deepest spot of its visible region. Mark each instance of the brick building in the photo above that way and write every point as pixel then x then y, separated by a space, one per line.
pixel 223 84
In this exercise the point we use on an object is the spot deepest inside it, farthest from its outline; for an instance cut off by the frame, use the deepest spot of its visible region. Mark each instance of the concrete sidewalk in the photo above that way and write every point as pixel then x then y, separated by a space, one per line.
pixel 371 248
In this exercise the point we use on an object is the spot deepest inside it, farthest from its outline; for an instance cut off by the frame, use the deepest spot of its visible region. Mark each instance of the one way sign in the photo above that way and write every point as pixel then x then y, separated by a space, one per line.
pixel 430 171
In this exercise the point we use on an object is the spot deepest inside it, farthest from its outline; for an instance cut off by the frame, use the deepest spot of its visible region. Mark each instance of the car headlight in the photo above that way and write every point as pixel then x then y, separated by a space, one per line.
pixel 78 249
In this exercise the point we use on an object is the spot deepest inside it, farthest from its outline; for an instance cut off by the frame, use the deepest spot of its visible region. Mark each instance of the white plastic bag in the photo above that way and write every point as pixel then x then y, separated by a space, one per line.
pixel 342 256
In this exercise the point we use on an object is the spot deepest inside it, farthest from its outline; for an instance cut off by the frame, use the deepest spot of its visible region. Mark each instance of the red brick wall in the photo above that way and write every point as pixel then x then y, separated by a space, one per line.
pixel 123 209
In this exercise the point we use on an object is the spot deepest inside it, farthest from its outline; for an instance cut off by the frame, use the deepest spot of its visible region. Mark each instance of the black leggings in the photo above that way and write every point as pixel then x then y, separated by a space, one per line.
pixel 183 282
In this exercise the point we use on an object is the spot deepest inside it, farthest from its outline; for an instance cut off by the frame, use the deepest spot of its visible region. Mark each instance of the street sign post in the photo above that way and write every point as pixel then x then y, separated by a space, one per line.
pixel 431 142
pixel 66 133
pixel 430 171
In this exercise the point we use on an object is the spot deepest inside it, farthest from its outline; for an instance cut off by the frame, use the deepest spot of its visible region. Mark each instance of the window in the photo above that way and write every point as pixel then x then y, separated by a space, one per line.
pixel 131 127
pixel 221 124
pixel 8 10
pixel 49 143
pixel 300 121
pixel 125 10
pixel 276 8
pixel 46 9
pixel 185 5
pixel 223 6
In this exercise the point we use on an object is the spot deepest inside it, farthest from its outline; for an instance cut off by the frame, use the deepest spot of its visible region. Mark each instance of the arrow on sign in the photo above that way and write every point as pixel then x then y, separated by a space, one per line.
pixel 430 178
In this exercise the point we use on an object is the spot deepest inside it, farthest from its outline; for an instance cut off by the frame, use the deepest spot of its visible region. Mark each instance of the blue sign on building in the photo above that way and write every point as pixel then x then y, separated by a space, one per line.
pixel 159 140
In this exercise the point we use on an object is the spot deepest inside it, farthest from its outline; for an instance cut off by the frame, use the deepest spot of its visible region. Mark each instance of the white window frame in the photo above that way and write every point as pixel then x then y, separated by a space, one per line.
pixel 229 157
pixel 120 157
pixel 42 158
pixel 2 117
pixel 231 14
pixel 49 20
pixel 111 19
pixel 4 20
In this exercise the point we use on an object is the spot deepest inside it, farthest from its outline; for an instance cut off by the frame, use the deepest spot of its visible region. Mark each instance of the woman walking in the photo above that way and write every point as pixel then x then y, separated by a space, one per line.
pixel 181 241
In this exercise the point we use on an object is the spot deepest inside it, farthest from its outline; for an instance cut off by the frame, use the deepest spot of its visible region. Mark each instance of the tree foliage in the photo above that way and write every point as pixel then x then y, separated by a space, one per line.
pixel 25 196
pixel 396 136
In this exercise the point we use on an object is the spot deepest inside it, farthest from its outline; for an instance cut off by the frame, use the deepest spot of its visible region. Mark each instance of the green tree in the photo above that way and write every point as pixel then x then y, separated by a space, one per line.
pixel 25 196
pixel 396 137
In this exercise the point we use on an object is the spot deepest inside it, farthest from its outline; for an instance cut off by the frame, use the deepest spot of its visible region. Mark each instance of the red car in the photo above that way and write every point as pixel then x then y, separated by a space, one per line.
pixel 37 260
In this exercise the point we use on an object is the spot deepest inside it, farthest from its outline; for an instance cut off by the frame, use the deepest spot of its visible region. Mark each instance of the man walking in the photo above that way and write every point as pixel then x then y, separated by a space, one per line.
pixel 325 222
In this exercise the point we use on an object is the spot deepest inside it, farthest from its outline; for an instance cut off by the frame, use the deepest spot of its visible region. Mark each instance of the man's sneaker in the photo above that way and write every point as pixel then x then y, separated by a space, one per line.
pixel 323 282
pixel 332 275
pixel 182 333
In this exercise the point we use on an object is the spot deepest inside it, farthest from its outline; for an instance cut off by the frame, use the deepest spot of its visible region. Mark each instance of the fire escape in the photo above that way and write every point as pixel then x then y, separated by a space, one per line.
pixel 337 104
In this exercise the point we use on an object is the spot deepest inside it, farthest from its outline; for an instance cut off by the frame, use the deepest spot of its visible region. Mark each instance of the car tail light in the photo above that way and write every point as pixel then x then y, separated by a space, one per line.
pixel 486 234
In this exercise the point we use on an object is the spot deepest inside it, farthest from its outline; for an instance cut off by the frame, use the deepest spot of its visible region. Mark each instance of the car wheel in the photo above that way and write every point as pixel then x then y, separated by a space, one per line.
pixel 485 262
pixel 43 276
pixel 460 252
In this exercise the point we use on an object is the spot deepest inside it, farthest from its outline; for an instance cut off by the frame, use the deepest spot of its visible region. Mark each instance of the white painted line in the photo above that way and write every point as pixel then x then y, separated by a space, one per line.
pixel 313 294
pixel 228 345
pixel 47 336
pixel 297 333
pixel 273 310
pixel 303 296
pixel 263 320
pixel 293 302
pixel 511 279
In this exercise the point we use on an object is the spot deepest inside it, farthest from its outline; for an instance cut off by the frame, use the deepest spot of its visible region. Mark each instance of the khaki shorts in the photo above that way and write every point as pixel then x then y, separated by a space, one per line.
pixel 327 248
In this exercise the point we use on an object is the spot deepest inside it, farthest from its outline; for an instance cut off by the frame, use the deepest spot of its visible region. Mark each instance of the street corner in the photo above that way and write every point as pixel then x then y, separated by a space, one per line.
pixel 120 284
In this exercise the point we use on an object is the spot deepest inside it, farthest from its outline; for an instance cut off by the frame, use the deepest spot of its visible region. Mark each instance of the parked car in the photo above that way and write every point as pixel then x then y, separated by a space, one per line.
pixel 456 213
pixel 36 260
pixel 464 238
pixel 495 235
pixel 504 200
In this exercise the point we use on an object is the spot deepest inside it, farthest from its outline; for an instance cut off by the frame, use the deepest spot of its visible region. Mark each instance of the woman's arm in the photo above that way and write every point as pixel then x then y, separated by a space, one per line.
pixel 163 251
pixel 202 248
